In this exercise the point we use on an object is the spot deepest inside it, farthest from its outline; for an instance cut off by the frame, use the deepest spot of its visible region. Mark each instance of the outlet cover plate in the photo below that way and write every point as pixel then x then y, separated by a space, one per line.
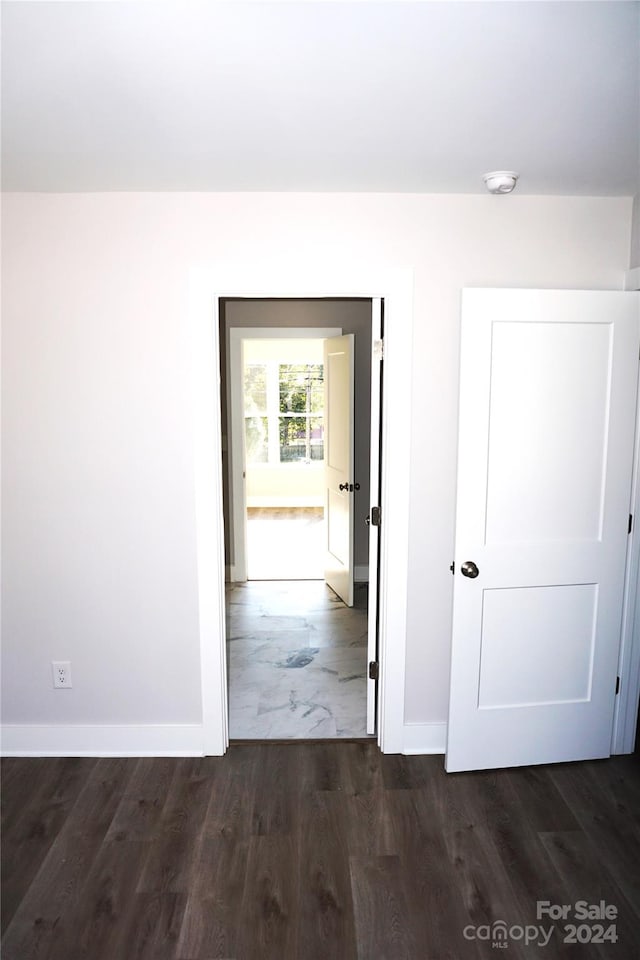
pixel 61 674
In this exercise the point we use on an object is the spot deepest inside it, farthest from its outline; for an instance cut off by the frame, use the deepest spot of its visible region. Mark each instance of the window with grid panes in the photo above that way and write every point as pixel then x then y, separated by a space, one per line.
pixel 298 421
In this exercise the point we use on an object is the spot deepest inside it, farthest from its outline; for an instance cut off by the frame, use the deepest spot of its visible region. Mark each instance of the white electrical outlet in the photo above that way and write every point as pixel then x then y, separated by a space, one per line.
pixel 61 674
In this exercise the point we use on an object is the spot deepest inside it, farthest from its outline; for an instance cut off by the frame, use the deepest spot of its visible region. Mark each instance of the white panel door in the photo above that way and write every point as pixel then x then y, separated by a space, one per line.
pixel 338 460
pixel 547 417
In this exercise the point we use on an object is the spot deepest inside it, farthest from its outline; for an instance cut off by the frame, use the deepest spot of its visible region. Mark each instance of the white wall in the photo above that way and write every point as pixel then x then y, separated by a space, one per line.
pixel 99 529
pixel 285 485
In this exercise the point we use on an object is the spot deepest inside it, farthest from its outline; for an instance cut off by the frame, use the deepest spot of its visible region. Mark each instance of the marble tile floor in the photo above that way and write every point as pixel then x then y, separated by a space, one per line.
pixel 296 659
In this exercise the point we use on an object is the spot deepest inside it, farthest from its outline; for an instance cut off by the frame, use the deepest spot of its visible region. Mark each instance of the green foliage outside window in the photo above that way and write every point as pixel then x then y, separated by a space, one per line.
pixel 302 393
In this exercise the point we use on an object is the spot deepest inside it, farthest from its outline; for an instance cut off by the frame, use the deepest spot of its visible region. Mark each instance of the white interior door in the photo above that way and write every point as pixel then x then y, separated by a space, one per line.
pixel 547 415
pixel 374 500
pixel 338 473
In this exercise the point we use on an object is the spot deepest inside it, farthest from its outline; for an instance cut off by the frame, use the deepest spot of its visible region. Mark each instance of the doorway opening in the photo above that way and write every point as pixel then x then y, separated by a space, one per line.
pixel 297 653
pixel 283 426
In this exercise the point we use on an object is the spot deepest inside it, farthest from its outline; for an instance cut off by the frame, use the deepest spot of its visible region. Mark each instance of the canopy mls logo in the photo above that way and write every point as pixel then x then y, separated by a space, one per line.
pixel 499 933
pixel 581 928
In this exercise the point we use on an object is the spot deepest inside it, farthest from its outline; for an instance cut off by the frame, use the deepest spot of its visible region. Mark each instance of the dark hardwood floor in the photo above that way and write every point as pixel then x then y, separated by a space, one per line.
pixel 324 850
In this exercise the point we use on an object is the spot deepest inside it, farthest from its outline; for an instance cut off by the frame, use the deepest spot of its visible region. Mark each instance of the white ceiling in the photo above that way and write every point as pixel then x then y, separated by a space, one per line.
pixel 361 96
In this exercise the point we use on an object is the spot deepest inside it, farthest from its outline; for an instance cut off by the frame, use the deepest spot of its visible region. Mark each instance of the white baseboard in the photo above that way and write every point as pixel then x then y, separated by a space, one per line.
pixel 424 738
pixel 102 740
pixel 155 740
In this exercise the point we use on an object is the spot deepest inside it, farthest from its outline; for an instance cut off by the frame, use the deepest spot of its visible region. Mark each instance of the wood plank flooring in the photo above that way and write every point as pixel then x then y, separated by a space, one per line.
pixel 308 850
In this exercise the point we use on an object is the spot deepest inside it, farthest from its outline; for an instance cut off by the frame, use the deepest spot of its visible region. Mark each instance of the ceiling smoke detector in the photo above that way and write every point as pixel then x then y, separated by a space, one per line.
pixel 501 181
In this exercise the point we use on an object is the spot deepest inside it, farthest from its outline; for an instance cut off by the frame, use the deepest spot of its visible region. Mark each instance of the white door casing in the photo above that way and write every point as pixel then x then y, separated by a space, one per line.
pixel 339 464
pixel 547 416
pixel 285 278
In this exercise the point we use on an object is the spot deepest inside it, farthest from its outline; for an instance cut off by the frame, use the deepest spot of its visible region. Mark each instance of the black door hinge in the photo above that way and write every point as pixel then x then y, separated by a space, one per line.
pixel 630 523
pixel 453 567
pixel 617 685
pixel 375 516
pixel 374 670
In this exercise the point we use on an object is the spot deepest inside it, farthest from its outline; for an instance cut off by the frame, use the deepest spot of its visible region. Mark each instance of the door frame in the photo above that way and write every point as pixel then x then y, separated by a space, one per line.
pixel 208 285
pixel 626 713
pixel 235 434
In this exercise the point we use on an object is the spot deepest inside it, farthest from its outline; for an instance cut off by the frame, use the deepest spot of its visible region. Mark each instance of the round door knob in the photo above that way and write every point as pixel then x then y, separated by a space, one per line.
pixel 469 569
pixel 343 486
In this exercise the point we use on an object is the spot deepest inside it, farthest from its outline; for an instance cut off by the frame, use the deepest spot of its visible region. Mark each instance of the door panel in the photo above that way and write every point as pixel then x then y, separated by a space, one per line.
pixel 537 645
pixel 339 400
pixel 547 402
pixel 545 470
